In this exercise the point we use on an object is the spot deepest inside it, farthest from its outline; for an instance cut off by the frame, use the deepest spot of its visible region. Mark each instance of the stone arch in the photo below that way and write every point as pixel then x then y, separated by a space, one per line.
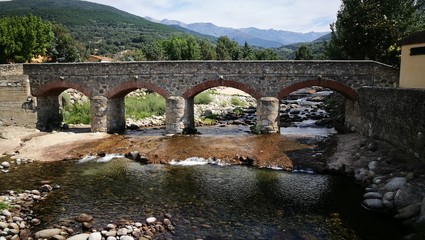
pixel 125 88
pixel 56 87
pixel 345 90
pixel 216 83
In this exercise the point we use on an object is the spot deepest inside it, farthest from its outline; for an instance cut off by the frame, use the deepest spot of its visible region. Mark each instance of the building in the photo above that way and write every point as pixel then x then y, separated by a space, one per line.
pixel 412 70
pixel 95 58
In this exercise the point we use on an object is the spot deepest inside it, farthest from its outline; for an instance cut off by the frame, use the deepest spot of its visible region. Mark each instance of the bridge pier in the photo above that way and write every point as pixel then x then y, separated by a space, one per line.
pixel 116 115
pixel 268 115
pixel 99 114
pixel 175 114
pixel 48 114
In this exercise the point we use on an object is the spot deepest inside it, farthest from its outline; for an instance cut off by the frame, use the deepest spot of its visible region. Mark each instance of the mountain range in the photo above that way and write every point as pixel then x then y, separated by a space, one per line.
pixel 270 38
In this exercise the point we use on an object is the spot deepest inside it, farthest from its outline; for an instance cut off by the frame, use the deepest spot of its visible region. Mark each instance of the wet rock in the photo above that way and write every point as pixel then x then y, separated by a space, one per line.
pixel 82 236
pixel 394 184
pixel 35 221
pixel 24 234
pixel 83 218
pixel 373 204
pixel 48 233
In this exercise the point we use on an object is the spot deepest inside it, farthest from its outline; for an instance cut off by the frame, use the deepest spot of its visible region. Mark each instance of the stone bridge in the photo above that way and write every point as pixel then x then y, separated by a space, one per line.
pixel 106 84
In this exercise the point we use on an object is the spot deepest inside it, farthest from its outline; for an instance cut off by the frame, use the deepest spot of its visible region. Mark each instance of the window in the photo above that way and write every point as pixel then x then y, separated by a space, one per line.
pixel 417 51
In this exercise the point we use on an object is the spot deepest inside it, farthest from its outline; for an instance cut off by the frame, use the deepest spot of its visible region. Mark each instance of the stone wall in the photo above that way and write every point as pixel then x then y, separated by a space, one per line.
pixel 14 90
pixel 395 115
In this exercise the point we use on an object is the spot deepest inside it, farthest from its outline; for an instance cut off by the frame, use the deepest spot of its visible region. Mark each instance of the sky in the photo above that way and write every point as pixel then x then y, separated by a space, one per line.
pixel 289 15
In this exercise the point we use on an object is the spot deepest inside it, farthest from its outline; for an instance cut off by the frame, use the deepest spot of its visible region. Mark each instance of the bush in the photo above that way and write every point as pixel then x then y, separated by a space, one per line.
pixel 78 113
pixel 143 107
pixel 236 101
pixel 203 98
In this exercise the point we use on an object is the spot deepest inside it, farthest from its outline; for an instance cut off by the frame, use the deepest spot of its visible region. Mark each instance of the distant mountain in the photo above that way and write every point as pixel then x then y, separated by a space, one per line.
pixel 253 36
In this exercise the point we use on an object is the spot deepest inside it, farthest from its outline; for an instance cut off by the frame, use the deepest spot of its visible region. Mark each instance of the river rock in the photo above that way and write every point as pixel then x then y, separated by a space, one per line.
pixel 151 220
pixel 6 213
pixel 394 184
pixel 111 233
pixel 95 236
pixel 372 195
pixel 48 233
pixel 5 164
pixel 110 226
pixel 35 221
pixel 388 199
pixel 409 211
pixel 126 238
pixel 46 188
pixel 373 204
pixel 407 195
pixel 84 218
pixel 3 225
pixel 373 165
pixel 82 236
pixel 373 146
pixel 122 231
pixel 58 237
pixel 111 238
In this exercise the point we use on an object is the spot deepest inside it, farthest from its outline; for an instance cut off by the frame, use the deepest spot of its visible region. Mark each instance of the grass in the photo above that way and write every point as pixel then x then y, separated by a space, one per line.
pixel 135 108
pixel 4 206
pixel 203 98
pixel 143 107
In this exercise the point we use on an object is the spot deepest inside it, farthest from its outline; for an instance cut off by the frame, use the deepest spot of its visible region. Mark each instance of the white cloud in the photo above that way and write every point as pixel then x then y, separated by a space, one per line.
pixel 299 15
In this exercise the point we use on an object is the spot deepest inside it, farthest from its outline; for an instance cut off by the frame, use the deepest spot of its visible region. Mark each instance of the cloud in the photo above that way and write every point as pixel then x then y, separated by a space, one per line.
pixel 299 15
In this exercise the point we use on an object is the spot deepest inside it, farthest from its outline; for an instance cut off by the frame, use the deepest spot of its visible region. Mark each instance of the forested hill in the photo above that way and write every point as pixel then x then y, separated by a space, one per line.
pixel 103 27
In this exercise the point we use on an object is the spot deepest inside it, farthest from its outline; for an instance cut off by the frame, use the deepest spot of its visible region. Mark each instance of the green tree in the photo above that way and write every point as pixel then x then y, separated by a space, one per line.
pixel 227 49
pixel 181 47
pixel 207 50
pixel 247 52
pixel 266 54
pixel 22 38
pixel 63 48
pixel 303 53
pixel 370 29
pixel 154 51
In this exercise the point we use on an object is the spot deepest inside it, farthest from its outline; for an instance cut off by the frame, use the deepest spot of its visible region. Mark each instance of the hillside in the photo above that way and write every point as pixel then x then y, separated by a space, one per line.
pixel 97 26
pixel 253 36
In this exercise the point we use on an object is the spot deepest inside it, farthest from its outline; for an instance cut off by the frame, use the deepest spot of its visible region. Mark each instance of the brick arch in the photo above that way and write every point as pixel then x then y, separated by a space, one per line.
pixel 125 88
pixel 57 87
pixel 216 83
pixel 345 90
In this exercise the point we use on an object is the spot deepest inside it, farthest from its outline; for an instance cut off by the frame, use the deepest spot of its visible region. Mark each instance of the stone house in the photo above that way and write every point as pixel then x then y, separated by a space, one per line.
pixel 412 69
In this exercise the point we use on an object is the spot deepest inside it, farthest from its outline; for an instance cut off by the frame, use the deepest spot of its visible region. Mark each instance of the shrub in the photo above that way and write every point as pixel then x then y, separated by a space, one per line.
pixel 143 107
pixel 78 113
pixel 203 98
pixel 236 101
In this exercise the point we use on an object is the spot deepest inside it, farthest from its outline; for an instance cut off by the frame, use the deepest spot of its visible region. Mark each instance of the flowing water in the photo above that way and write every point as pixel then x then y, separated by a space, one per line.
pixel 207 201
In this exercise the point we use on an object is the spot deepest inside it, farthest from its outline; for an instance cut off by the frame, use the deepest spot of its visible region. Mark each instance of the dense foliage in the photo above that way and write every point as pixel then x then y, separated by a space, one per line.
pixel 23 38
pixel 64 48
pixel 370 29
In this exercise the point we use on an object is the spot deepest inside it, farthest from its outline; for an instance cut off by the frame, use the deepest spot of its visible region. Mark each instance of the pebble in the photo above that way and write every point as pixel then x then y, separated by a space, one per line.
pixel 151 220
pixel 5 164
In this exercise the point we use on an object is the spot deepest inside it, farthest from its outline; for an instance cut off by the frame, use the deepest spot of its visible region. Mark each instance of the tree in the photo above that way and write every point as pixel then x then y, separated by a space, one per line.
pixel 227 49
pixel 207 50
pixel 63 48
pixel 181 47
pixel 303 53
pixel 370 29
pixel 247 52
pixel 23 38
pixel 154 52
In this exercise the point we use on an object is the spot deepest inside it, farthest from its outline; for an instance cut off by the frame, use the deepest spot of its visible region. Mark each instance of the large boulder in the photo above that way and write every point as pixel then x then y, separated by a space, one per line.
pixel 395 183
pixel 407 195
pixel 48 233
